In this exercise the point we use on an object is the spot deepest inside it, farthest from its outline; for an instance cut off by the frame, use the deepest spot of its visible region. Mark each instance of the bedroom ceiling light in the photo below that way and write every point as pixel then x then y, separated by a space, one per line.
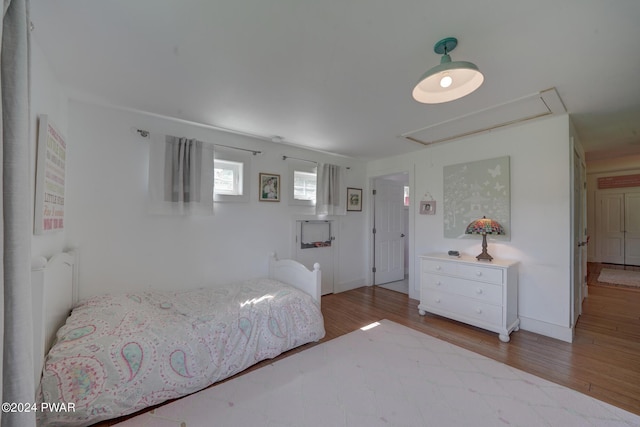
pixel 449 80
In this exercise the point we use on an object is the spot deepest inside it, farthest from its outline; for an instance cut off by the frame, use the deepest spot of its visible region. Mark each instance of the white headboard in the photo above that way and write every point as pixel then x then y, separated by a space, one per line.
pixel 295 274
pixel 54 291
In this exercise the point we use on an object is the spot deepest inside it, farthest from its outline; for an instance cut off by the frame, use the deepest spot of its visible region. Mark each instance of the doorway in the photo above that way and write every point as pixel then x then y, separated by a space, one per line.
pixel 390 232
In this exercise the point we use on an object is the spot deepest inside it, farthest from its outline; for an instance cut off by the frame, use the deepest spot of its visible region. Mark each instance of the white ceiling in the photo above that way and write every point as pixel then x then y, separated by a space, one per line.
pixel 337 75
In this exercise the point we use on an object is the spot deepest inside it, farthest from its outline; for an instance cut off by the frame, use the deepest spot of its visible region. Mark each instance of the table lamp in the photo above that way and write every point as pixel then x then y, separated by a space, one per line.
pixel 484 226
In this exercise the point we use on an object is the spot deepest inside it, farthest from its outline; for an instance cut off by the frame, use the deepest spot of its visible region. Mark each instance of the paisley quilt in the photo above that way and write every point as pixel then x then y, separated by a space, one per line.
pixel 121 353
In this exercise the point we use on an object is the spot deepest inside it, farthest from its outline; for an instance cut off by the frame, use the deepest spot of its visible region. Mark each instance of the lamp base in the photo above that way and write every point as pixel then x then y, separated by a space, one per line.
pixel 484 256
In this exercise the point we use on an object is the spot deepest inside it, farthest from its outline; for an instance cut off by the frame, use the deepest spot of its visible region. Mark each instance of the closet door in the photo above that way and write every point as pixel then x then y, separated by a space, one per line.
pixel 632 228
pixel 611 241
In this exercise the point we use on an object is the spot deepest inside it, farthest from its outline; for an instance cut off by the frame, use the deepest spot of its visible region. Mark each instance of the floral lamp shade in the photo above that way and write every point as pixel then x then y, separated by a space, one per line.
pixel 484 226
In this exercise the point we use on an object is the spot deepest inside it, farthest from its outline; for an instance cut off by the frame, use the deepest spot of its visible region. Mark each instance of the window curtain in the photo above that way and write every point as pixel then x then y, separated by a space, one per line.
pixel 180 176
pixel 331 197
pixel 16 351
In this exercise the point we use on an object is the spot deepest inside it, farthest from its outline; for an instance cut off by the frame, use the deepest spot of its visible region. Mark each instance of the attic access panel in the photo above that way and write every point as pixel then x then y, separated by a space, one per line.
pixel 530 107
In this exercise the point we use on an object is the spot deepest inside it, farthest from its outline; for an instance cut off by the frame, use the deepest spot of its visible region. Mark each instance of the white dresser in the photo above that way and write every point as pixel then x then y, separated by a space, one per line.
pixel 480 293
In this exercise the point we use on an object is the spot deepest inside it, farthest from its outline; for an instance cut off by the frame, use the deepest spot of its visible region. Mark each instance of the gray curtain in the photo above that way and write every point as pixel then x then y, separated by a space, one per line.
pixel 331 197
pixel 17 342
pixel 181 176
pixel 183 169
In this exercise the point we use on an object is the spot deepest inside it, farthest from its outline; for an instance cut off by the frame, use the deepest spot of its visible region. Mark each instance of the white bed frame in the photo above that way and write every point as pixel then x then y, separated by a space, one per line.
pixel 295 274
pixel 55 292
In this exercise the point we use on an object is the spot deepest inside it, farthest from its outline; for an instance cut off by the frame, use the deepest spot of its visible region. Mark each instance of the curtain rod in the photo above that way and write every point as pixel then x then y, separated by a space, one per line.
pixel 305 160
pixel 295 158
pixel 145 134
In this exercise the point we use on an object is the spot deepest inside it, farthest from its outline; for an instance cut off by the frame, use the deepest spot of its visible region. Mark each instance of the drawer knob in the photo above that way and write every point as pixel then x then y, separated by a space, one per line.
pixel 437 267
pixel 479 311
pixel 478 273
pixel 438 283
pixel 437 299
pixel 479 291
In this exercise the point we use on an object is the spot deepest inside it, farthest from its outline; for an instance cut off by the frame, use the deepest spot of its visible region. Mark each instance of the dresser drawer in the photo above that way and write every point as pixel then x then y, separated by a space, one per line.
pixel 485 292
pixel 462 307
pixel 440 267
pixel 481 273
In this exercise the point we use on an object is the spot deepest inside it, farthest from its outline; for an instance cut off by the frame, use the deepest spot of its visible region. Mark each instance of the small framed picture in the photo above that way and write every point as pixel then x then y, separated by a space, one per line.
pixel 428 207
pixel 269 187
pixel 354 199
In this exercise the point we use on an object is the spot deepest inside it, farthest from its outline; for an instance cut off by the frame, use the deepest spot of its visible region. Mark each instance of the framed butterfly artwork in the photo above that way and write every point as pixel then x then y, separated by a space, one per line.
pixel 476 189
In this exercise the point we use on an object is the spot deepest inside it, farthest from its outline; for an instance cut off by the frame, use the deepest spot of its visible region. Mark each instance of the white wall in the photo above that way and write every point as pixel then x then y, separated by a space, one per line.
pixel 540 213
pixel 47 97
pixel 616 164
pixel 123 248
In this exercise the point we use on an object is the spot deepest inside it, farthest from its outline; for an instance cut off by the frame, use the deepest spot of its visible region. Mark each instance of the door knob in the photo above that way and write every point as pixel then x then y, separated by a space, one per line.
pixel 402 235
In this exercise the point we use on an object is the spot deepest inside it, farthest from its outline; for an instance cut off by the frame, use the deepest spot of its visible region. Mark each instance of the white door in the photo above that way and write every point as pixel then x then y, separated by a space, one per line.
pixel 579 236
pixel 314 243
pixel 611 236
pixel 632 228
pixel 389 231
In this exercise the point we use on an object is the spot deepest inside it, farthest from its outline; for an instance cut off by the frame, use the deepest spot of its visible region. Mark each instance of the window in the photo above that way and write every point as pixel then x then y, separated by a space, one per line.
pixel 231 176
pixel 304 185
pixel 228 177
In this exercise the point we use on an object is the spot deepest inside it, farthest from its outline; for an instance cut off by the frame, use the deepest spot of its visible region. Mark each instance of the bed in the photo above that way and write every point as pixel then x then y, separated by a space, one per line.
pixel 117 354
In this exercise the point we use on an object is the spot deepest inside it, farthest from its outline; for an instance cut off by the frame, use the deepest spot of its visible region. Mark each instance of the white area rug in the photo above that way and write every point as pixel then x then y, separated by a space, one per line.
pixel 620 277
pixel 389 375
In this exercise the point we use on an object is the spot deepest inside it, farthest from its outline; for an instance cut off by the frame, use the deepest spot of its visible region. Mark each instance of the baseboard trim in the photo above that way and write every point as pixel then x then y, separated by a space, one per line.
pixel 347 286
pixel 547 329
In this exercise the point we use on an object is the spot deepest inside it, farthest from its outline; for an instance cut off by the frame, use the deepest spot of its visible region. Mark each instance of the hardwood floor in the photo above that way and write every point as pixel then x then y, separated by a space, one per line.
pixel 602 362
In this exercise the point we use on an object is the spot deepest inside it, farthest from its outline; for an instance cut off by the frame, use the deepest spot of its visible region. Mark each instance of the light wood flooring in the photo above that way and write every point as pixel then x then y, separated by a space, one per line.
pixel 603 361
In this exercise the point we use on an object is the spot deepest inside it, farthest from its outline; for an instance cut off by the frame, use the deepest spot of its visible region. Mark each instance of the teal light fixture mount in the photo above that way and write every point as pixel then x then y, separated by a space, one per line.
pixel 448 81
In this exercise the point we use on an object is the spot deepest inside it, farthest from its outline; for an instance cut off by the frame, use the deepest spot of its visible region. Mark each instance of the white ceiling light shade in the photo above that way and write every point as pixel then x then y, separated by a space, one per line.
pixel 448 81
